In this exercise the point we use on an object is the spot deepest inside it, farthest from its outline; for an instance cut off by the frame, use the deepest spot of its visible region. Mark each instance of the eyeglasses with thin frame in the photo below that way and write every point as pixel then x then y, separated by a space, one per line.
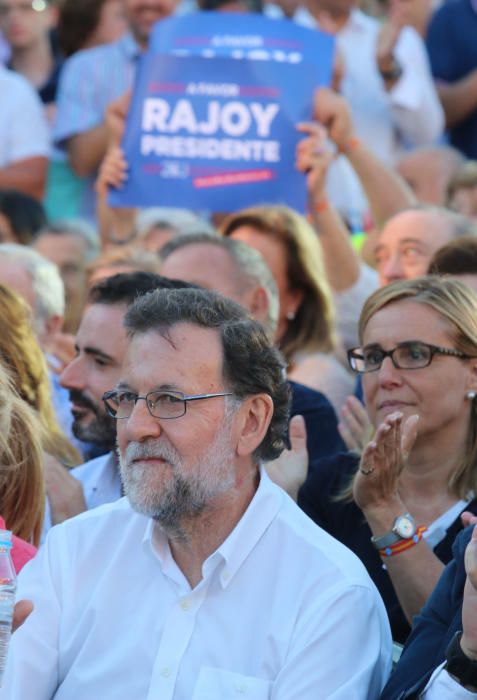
pixel 412 354
pixel 160 404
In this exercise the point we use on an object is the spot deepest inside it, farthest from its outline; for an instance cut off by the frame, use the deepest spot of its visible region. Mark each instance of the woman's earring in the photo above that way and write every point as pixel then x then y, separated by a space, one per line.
pixel 470 395
pixel 290 315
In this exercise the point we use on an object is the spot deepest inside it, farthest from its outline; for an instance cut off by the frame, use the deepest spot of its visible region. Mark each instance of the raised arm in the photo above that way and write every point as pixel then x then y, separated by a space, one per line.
pixel 385 190
pixel 313 159
pixel 415 570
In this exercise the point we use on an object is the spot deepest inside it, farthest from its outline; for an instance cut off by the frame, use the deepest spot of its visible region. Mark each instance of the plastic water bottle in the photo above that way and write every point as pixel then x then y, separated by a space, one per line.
pixel 8 586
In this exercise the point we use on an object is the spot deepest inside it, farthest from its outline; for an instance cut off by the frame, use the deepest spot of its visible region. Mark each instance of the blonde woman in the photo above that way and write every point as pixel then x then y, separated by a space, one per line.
pixel 24 359
pixel 398 507
pixel 22 494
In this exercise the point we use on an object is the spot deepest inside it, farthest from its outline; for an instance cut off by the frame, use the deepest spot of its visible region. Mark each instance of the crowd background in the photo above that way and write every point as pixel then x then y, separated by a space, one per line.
pixel 390 166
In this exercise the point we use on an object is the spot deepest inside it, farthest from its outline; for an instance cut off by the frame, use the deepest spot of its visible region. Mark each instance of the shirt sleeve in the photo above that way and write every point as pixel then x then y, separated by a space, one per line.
pixel 417 111
pixel 441 47
pixel 341 651
pixel 28 135
pixel 442 686
pixel 81 97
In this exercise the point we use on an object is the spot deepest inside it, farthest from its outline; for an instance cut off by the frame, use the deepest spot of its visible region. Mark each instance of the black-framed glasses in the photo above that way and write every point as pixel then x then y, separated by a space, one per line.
pixel 160 404
pixel 412 354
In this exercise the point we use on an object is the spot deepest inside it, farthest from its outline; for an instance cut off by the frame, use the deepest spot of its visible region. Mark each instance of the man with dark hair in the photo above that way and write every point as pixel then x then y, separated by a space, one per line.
pixel 100 348
pixel 207 581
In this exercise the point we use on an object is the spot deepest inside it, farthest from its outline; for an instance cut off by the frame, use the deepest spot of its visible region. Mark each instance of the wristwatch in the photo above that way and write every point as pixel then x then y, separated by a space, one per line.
pixel 459 665
pixel 403 529
pixel 392 73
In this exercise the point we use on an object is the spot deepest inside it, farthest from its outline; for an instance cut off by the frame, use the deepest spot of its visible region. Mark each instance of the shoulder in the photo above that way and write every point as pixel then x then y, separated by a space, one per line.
pixel 89 58
pixel 306 399
pixel 16 87
pixel 306 547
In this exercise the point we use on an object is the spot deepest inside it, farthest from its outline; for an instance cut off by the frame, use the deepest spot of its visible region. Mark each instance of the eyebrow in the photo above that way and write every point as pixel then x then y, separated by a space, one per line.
pixel 123 385
pixel 88 350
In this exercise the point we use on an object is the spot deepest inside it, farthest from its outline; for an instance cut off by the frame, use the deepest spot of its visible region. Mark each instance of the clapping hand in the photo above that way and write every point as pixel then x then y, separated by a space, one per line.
pixel 375 486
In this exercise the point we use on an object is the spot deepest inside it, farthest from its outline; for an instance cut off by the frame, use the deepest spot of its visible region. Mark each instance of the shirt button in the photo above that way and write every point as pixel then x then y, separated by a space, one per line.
pixel 241 688
pixel 185 604
pixel 166 672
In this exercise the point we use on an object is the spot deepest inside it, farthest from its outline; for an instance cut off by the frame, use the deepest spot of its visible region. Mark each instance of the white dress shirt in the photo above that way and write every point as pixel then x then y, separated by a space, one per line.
pixel 101 484
pixel 100 480
pixel 388 122
pixel 23 127
pixel 283 612
pixel 441 686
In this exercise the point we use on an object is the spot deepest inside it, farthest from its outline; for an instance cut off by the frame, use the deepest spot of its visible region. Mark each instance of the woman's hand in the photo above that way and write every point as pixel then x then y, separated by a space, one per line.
pixel 313 158
pixel 375 487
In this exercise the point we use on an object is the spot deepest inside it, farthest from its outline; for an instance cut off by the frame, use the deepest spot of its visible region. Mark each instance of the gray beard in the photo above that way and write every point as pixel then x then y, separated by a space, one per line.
pixel 185 494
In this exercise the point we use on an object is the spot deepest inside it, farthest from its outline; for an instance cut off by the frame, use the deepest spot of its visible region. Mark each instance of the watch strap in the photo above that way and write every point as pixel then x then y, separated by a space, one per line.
pixel 460 666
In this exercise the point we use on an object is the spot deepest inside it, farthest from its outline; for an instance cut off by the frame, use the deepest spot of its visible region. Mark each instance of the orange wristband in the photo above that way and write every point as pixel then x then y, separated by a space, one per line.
pixel 321 206
pixel 402 545
pixel 350 145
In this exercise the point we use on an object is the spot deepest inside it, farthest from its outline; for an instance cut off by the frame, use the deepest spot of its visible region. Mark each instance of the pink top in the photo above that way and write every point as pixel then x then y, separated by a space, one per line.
pixel 22 551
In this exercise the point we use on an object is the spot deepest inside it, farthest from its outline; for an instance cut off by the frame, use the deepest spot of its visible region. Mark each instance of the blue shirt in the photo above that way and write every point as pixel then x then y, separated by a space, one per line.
pixel 89 81
pixel 452 47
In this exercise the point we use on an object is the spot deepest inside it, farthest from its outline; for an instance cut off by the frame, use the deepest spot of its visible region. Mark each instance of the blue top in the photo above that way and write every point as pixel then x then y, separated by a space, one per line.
pixel 452 47
pixel 433 629
pixel 322 436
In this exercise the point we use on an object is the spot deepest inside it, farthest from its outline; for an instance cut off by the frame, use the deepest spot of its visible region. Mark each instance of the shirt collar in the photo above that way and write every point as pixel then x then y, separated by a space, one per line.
pixel 129 46
pixel 234 550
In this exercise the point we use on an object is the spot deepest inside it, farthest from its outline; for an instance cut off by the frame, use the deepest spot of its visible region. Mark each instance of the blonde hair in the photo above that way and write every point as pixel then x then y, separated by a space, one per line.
pixel 24 359
pixel 22 493
pixel 457 304
pixel 312 329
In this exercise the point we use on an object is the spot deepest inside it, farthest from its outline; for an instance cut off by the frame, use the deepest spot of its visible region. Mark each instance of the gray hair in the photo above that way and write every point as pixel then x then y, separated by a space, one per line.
pixel 78 228
pixel 251 268
pixel 182 221
pixel 46 281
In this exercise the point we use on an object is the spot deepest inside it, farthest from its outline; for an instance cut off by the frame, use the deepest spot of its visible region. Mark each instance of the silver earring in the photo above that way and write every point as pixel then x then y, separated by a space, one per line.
pixel 290 315
pixel 470 395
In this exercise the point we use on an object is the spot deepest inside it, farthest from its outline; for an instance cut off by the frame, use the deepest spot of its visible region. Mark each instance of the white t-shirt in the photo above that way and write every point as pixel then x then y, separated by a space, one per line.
pixel 23 127
pixel 283 611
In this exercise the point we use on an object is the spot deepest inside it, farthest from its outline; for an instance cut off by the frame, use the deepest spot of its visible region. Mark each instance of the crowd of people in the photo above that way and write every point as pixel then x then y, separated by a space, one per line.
pixel 239 448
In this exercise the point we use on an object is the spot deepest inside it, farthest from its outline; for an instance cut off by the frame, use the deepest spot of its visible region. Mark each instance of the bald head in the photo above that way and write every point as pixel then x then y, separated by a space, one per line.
pixel 409 240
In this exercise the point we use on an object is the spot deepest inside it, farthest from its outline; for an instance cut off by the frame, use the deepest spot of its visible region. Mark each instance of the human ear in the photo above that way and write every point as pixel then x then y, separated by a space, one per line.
pixel 254 418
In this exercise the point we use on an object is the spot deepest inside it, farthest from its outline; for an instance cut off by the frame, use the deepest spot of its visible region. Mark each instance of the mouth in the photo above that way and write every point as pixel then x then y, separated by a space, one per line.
pixel 393 404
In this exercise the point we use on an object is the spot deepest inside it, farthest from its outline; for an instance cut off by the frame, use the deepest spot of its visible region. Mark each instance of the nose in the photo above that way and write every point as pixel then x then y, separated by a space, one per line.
pixel 388 374
pixel 391 270
pixel 73 376
pixel 140 425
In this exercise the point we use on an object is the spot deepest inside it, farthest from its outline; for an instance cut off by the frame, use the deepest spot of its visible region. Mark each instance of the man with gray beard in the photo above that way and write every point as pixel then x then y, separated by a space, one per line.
pixel 207 581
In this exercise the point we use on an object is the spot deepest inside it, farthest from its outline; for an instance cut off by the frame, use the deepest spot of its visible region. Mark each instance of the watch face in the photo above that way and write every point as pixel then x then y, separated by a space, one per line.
pixel 405 527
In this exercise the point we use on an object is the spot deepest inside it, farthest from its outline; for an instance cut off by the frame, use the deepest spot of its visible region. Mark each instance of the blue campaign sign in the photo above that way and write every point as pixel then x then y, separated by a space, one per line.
pixel 216 135
pixel 245 35
pixel 215 132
